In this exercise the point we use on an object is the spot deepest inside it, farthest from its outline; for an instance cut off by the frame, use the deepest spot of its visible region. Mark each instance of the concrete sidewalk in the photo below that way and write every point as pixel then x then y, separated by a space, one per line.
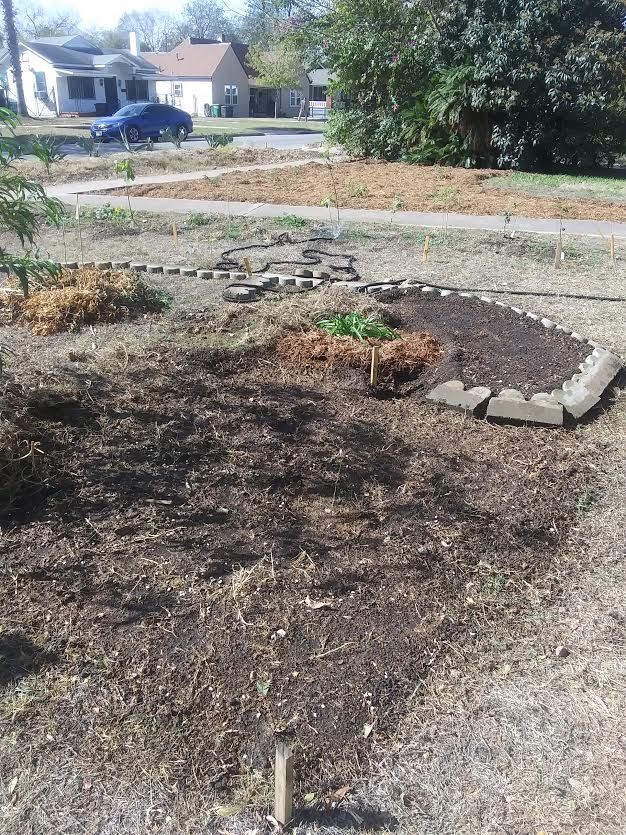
pixel 84 186
pixel 429 220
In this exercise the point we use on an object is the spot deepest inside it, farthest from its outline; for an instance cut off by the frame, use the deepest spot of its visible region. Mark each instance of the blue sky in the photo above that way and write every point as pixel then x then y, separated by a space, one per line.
pixel 106 14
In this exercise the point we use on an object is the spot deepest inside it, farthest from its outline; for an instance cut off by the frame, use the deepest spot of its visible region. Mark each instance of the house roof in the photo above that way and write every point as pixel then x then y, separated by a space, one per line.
pixel 63 57
pixel 188 59
pixel 319 78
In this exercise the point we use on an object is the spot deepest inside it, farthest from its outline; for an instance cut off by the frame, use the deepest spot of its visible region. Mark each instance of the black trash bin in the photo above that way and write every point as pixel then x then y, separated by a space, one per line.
pixel 227 111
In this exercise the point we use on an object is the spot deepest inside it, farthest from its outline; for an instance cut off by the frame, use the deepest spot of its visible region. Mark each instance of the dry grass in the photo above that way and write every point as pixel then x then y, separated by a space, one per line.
pixel 149 163
pixel 377 185
pixel 519 740
pixel 316 349
pixel 82 297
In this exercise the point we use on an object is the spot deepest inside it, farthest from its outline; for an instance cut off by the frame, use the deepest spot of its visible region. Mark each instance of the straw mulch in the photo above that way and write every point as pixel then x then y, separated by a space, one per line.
pixel 82 297
pixel 317 349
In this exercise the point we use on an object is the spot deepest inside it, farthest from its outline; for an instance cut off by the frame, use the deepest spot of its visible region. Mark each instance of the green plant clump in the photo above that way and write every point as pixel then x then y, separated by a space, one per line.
pixel 358 327
pixel 109 212
pixel 198 219
pixel 291 221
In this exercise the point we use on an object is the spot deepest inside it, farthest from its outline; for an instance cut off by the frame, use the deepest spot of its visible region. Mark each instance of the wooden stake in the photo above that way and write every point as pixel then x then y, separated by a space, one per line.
pixel 613 248
pixel 80 234
pixel 557 256
pixel 374 366
pixel 175 234
pixel 248 266
pixel 283 783
pixel 426 249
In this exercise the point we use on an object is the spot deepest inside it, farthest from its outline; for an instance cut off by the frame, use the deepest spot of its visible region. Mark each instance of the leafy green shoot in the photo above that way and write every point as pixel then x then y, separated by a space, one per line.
pixel 358 327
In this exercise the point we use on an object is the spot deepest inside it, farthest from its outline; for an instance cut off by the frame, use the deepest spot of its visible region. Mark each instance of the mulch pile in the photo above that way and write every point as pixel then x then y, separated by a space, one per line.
pixel 233 551
pixel 82 297
pixel 407 356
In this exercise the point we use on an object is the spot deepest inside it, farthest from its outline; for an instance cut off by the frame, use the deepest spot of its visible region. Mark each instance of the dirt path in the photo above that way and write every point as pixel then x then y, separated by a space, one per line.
pixel 376 185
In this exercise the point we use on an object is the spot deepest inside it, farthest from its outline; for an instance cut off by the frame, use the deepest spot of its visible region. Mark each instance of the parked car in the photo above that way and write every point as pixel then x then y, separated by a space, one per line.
pixel 142 121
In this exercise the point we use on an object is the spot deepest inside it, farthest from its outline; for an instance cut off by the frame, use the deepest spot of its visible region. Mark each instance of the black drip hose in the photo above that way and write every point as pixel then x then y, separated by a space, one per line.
pixel 311 258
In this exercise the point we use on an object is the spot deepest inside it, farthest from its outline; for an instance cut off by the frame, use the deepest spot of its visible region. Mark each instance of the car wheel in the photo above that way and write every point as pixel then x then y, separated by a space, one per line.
pixel 182 133
pixel 132 134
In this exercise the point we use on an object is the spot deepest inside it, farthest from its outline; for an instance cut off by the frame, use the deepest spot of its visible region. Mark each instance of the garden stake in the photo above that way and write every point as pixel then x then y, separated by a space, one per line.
pixel 80 234
pixel 248 266
pixel 64 241
pixel 374 366
pixel 283 783
pixel 613 248
pixel 175 234
pixel 426 249
pixel 558 255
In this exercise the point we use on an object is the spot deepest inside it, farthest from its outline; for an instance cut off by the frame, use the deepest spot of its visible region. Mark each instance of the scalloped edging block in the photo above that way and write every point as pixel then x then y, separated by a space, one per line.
pixel 154 268
pixel 454 395
pixel 511 406
pixel 575 398
pixel 241 294
pixel 138 266
pixel 598 370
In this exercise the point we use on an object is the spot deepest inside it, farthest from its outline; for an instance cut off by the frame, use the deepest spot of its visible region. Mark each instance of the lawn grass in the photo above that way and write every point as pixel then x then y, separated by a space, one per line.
pixel 572 185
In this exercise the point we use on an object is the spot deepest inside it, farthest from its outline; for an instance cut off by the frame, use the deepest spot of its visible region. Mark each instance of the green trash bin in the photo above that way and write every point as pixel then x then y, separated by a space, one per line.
pixel 227 111
pixel 216 111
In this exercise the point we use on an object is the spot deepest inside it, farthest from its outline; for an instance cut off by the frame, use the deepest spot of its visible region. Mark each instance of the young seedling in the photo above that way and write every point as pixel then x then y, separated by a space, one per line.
pixel 47 149
pixel 426 249
pixel 328 202
pixel 507 221
pixel 396 206
pixel 126 168
pixel 358 327
pixel 559 255
pixel 80 232
pixel 329 165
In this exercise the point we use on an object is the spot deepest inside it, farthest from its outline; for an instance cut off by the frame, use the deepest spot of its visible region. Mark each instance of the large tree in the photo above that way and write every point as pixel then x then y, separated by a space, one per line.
pixel 206 19
pixel 280 67
pixel 516 83
pixel 33 21
pixel 14 52
pixel 157 31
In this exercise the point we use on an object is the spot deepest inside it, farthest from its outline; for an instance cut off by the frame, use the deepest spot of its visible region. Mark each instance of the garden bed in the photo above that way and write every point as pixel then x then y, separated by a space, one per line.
pixel 387 186
pixel 229 551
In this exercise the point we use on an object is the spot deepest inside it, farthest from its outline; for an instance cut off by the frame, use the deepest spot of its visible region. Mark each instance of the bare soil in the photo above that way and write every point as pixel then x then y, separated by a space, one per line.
pixel 228 552
pixel 377 185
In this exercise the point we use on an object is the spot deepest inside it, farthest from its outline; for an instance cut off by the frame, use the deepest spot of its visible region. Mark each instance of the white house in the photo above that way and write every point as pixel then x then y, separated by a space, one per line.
pixel 69 75
pixel 202 72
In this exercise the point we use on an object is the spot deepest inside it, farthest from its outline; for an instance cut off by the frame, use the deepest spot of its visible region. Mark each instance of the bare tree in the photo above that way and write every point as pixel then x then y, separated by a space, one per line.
pixel 205 19
pixel 14 52
pixel 34 21
pixel 157 31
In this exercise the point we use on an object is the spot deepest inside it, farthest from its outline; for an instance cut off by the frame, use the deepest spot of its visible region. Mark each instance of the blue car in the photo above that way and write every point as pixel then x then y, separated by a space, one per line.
pixel 142 121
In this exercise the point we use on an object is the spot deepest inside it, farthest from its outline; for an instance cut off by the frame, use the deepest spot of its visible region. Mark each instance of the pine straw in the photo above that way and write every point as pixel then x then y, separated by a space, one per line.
pixel 82 297
pixel 316 348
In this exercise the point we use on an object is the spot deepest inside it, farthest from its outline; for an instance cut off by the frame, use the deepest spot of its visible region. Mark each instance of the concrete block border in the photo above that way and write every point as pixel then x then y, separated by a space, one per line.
pixel 576 396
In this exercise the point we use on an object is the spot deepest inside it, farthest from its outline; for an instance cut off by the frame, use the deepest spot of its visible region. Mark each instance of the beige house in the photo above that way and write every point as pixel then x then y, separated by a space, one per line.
pixel 204 72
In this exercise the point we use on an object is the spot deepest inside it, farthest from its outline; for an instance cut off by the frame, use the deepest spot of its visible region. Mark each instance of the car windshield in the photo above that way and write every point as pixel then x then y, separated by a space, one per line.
pixel 130 110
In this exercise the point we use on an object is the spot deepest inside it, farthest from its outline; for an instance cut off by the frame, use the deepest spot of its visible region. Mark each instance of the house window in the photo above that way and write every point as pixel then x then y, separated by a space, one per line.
pixel 41 91
pixel 80 87
pixel 231 94
pixel 177 89
pixel 295 97
pixel 136 90
pixel 317 93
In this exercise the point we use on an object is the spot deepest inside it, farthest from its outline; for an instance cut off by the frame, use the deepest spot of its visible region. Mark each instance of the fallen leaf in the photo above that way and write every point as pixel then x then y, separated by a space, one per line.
pixel 309 798
pixel 333 800
pixel 227 811
pixel 367 730
pixel 262 687
pixel 12 785
pixel 317 604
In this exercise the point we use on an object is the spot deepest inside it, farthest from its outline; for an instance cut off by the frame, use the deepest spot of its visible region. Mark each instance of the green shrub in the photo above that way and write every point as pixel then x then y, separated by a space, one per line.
pixel 291 221
pixel 198 219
